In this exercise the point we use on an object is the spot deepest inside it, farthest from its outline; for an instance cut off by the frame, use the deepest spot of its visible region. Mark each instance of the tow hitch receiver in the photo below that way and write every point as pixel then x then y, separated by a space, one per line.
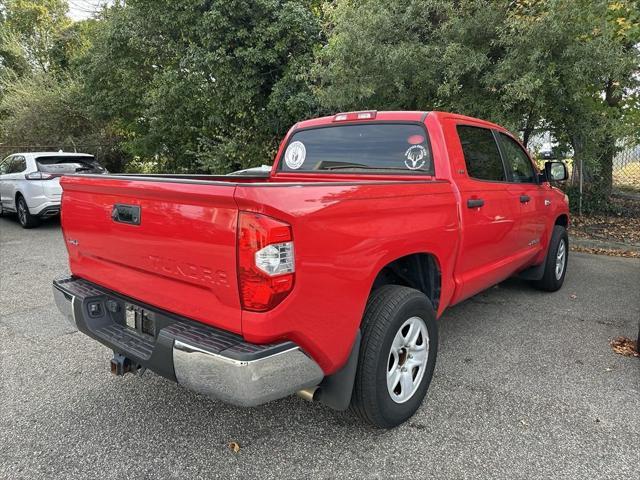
pixel 120 364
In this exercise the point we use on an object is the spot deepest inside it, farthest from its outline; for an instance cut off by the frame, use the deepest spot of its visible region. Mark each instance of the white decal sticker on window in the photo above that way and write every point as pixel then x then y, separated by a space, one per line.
pixel 295 155
pixel 416 157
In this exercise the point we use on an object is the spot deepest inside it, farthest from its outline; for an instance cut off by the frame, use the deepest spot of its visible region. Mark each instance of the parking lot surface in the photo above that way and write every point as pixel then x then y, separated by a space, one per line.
pixel 526 386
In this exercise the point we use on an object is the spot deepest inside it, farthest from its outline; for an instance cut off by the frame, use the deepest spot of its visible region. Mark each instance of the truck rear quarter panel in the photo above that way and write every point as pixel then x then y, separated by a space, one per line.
pixel 344 234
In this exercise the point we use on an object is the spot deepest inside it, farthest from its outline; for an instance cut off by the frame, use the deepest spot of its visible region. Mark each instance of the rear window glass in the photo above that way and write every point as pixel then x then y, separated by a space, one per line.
pixel 376 148
pixel 62 165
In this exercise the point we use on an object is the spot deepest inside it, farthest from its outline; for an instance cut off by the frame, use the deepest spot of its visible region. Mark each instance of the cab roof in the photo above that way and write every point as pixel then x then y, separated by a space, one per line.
pixel 399 115
pixel 406 116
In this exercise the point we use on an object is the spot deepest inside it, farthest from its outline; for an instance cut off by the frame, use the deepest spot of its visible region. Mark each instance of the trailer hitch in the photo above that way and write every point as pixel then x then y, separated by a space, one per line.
pixel 121 364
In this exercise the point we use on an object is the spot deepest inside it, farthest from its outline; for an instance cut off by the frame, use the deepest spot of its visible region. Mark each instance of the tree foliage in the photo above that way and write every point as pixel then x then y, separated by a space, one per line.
pixel 571 66
pixel 212 85
pixel 36 24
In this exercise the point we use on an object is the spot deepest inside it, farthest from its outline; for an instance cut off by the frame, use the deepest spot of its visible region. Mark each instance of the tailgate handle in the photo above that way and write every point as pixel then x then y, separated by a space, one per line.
pixel 126 214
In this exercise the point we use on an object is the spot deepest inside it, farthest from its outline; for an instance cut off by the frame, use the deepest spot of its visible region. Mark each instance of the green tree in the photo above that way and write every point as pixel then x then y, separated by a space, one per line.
pixel 420 54
pixel 581 64
pixel 570 66
pixel 207 83
pixel 44 110
pixel 36 23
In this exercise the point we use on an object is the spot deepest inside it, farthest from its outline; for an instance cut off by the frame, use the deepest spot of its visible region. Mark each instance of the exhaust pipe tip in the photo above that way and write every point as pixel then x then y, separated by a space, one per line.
pixel 308 394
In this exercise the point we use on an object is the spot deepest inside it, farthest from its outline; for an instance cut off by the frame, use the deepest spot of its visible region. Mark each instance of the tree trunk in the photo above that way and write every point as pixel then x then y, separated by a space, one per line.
pixel 577 143
pixel 527 131
pixel 607 152
pixel 612 98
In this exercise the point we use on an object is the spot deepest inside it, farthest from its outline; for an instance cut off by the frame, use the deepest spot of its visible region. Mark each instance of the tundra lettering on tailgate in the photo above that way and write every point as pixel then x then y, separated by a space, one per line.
pixel 189 271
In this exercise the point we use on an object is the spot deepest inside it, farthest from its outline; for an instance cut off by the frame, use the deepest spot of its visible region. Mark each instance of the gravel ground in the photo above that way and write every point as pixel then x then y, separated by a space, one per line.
pixel 526 386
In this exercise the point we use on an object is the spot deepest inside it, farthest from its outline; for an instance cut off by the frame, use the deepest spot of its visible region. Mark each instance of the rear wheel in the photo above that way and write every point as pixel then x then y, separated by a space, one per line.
pixel 397 356
pixel 24 217
pixel 556 262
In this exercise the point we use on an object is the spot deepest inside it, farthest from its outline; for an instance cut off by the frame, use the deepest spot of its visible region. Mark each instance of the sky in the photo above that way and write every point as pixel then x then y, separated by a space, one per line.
pixel 81 9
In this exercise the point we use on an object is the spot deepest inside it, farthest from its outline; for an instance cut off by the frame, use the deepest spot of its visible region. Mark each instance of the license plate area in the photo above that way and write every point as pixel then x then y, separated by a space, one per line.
pixel 139 320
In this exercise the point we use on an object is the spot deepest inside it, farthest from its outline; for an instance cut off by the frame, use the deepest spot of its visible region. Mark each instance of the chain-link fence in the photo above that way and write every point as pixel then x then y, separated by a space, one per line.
pixel 626 169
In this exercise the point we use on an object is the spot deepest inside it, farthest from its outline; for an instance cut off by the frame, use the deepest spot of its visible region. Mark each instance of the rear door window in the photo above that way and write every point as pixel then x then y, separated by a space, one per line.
pixel 66 165
pixel 516 161
pixel 374 148
pixel 481 153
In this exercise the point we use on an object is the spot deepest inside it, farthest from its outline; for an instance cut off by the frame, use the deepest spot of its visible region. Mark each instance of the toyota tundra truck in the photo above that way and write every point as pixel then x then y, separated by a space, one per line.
pixel 326 277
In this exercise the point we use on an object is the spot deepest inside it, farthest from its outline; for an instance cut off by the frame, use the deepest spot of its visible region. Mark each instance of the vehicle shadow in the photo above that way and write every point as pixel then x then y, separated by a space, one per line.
pixel 45 224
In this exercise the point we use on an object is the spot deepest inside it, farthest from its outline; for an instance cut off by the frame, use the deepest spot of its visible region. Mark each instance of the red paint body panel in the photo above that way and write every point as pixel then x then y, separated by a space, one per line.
pixel 346 227
pixel 344 235
pixel 182 257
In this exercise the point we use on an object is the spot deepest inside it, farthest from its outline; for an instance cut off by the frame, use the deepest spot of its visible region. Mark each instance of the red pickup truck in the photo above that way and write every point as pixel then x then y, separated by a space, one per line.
pixel 325 277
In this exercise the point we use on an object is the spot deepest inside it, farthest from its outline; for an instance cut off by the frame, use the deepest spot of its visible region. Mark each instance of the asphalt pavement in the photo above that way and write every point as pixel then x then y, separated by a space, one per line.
pixel 526 386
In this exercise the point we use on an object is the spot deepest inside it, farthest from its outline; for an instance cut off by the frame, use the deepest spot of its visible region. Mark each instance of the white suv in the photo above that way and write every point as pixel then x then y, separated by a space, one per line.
pixel 30 182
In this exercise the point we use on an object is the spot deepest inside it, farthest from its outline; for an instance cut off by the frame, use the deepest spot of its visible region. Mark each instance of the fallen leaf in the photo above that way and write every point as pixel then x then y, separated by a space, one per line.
pixel 612 252
pixel 573 296
pixel 624 346
pixel 234 447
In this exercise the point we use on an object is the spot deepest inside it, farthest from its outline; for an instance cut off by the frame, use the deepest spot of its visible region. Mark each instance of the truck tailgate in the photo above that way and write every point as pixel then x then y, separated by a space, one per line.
pixel 181 257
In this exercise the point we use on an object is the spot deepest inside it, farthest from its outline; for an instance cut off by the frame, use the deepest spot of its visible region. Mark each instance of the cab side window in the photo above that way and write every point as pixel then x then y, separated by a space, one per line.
pixel 516 161
pixel 481 153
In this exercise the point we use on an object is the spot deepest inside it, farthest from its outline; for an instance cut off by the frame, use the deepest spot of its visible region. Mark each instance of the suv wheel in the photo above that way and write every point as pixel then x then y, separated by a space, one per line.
pixel 556 262
pixel 397 356
pixel 24 217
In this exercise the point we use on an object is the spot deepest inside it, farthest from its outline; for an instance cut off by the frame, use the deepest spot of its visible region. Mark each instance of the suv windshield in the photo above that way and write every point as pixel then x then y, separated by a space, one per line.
pixel 378 147
pixel 64 164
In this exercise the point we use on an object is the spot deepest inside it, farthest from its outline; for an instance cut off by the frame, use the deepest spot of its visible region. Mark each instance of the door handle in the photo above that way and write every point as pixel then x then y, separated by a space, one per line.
pixel 524 198
pixel 475 203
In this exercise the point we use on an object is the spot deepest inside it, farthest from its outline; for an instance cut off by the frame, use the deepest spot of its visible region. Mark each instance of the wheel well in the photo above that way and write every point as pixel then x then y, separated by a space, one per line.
pixel 562 220
pixel 418 270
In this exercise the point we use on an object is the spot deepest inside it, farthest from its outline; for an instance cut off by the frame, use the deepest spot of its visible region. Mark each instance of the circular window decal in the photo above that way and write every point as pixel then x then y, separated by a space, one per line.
pixel 416 157
pixel 295 155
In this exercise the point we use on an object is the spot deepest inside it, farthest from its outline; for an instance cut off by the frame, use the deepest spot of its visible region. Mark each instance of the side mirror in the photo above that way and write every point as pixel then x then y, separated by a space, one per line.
pixel 555 171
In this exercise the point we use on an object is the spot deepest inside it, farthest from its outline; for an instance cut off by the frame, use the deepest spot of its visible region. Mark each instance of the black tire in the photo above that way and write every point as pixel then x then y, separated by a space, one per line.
pixel 550 282
pixel 24 217
pixel 387 310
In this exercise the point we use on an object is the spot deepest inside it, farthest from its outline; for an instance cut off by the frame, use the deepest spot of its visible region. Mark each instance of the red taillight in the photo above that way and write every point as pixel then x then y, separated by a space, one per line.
pixel 266 264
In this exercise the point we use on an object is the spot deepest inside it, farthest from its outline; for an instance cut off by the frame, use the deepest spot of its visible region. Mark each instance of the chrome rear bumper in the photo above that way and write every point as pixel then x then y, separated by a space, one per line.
pixel 210 361
pixel 245 383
